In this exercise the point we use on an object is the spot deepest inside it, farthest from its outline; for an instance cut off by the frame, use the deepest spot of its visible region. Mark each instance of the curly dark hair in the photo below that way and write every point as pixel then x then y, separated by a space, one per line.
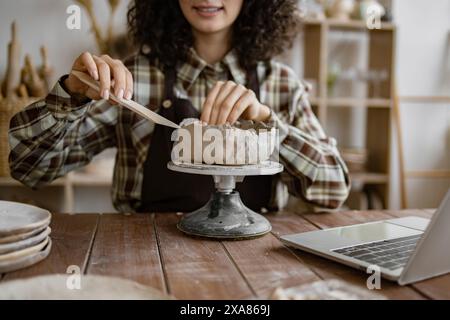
pixel 263 29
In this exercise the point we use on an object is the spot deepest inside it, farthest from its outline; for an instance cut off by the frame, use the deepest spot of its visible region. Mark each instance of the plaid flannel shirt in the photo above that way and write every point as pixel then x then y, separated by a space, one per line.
pixel 63 132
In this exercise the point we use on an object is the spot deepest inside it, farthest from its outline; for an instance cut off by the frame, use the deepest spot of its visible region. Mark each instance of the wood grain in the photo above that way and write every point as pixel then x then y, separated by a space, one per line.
pixel 149 249
pixel 291 223
pixel 126 247
pixel 197 268
pixel 266 264
pixel 72 237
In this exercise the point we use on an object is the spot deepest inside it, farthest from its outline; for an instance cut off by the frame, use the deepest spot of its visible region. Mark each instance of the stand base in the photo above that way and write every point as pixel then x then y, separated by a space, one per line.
pixel 225 217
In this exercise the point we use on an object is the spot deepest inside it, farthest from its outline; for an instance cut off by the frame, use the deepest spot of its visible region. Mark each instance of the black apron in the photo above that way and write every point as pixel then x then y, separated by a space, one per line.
pixel 164 190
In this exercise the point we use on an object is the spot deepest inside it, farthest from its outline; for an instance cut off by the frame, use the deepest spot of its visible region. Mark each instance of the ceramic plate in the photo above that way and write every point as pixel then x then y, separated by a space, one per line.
pixel 93 287
pixel 25 243
pixel 18 218
pixel 22 236
pixel 11 256
pixel 9 266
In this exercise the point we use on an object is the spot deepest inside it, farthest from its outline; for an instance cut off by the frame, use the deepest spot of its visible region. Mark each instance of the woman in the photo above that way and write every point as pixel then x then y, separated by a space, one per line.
pixel 198 58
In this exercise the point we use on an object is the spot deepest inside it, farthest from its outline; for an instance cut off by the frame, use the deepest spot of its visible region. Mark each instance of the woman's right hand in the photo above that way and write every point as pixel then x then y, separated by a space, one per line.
pixel 112 74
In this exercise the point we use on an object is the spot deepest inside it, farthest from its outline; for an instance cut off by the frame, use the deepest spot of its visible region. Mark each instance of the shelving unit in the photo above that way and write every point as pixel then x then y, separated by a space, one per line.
pixel 68 183
pixel 349 24
pixel 378 109
pixel 352 102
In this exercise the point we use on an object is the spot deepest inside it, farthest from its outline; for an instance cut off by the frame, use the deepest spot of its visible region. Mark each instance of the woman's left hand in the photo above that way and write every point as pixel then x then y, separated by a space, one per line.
pixel 228 101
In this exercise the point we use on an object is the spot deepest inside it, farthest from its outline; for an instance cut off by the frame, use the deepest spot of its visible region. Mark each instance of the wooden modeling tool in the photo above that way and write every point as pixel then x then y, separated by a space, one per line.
pixel 129 104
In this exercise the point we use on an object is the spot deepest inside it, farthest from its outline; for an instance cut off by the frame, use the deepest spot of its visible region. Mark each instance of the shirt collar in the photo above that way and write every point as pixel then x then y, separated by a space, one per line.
pixel 190 70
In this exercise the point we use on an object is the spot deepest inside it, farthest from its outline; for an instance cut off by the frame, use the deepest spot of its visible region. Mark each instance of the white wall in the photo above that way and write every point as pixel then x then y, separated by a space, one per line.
pixel 44 22
pixel 423 55
pixel 423 69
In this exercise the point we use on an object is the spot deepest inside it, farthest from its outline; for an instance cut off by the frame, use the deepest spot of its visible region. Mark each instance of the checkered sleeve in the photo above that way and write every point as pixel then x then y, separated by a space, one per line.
pixel 314 170
pixel 58 134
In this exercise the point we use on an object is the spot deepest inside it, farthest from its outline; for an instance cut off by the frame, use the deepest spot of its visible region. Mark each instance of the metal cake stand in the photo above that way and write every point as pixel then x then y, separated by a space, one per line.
pixel 224 216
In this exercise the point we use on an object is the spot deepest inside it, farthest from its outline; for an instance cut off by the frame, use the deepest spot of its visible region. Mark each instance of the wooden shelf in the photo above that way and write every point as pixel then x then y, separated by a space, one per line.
pixel 347 24
pixel 76 179
pixel 79 179
pixel 428 174
pixel 355 102
pixel 68 184
pixel 369 177
pixel 425 99
pixel 10 182
pixel 352 102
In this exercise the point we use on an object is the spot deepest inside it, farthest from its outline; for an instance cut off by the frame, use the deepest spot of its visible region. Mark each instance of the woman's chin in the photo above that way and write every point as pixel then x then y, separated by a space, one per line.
pixel 210 27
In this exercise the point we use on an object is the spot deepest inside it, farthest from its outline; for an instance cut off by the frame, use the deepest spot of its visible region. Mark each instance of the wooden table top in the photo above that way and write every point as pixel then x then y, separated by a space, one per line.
pixel 149 249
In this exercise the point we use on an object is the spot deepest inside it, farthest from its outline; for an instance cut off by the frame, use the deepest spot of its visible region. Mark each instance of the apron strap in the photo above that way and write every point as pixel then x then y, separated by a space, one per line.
pixel 169 83
pixel 253 81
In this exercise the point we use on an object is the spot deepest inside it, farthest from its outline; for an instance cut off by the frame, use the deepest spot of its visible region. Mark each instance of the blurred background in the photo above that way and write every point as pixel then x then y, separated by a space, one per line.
pixel 378 72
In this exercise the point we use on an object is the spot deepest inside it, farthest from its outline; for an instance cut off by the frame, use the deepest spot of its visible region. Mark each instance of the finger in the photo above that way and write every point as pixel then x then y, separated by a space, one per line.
pixel 229 102
pixel 240 106
pixel 105 77
pixel 224 92
pixel 129 86
pixel 119 75
pixel 209 102
pixel 93 94
pixel 88 62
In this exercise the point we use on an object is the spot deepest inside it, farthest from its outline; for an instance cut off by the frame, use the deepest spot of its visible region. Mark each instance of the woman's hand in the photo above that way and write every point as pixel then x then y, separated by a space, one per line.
pixel 228 101
pixel 111 73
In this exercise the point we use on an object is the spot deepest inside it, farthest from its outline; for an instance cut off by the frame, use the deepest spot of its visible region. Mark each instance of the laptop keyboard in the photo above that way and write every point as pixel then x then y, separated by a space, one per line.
pixel 389 254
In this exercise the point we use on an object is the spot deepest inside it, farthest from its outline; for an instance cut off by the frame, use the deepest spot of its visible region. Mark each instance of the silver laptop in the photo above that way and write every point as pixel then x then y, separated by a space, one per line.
pixel 406 249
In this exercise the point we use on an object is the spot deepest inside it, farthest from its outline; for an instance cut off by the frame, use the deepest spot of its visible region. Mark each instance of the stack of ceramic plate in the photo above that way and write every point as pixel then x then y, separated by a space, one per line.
pixel 24 235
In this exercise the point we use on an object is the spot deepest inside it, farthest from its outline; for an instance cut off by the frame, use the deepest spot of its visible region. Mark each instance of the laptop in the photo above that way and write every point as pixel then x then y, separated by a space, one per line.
pixel 405 250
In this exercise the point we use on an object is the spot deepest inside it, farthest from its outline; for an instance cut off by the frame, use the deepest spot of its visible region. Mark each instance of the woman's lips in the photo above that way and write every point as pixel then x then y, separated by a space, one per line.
pixel 208 11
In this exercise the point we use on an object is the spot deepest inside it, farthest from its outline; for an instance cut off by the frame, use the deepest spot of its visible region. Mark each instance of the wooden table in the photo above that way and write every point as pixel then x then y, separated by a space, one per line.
pixel 149 249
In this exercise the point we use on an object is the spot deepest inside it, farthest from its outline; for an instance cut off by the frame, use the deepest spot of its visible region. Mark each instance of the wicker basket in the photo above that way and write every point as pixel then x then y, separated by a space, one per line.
pixel 8 108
